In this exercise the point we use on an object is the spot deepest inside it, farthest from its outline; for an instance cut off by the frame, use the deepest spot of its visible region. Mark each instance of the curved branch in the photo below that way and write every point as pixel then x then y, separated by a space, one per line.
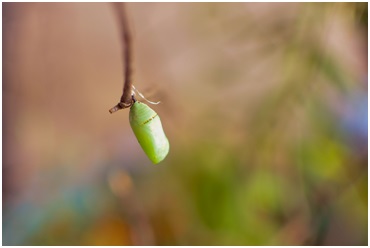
pixel 126 100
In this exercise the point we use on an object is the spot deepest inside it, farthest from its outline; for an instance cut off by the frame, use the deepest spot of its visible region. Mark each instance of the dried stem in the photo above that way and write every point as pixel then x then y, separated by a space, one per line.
pixel 126 100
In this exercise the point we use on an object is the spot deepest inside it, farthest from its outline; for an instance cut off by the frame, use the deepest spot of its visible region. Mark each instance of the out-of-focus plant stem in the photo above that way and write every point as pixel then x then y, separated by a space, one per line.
pixel 126 100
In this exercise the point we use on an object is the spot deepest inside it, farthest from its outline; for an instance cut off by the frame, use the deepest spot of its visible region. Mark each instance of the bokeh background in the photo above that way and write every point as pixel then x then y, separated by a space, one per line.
pixel 264 104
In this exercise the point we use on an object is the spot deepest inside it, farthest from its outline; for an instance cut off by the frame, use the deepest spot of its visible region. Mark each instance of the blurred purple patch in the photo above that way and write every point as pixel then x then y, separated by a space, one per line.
pixel 354 119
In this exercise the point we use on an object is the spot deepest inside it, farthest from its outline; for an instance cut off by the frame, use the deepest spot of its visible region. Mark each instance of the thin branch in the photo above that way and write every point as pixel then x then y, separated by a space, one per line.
pixel 126 99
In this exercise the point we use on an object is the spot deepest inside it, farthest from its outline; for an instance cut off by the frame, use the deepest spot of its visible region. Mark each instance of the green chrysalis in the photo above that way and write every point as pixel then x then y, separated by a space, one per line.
pixel 148 130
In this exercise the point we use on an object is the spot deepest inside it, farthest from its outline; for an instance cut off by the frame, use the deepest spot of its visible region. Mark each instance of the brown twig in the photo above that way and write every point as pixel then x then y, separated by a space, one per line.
pixel 126 100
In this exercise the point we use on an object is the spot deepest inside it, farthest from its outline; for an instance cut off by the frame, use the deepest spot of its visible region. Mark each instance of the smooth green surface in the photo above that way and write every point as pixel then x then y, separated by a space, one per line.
pixel 148 130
